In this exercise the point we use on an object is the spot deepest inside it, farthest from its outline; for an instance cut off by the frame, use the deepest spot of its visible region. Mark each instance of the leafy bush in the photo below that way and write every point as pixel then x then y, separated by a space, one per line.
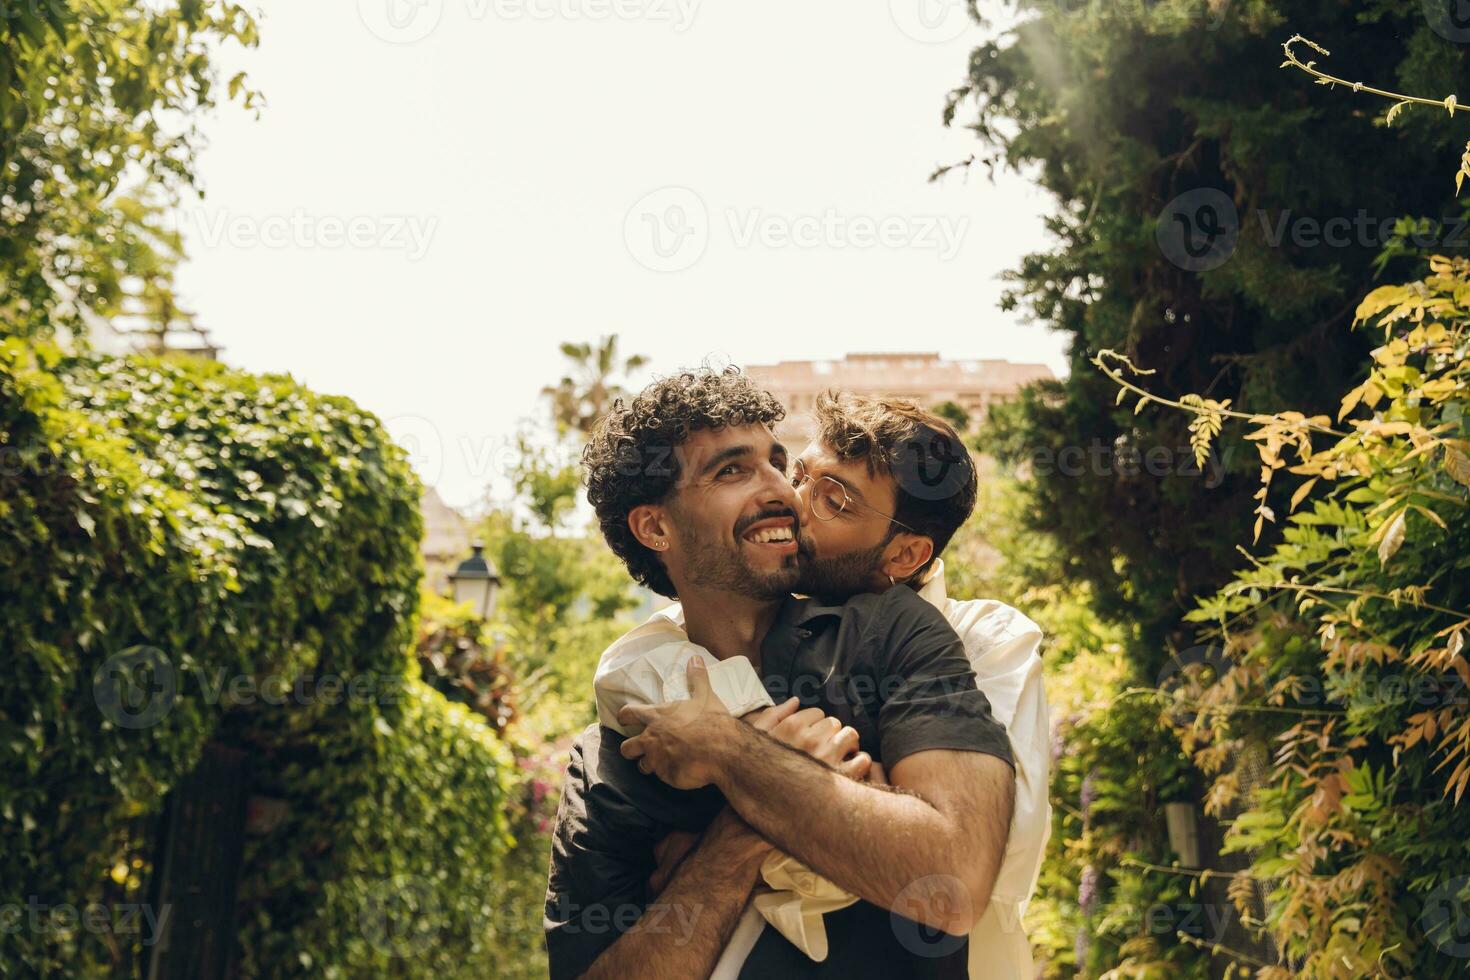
pixel 172 529
pixel 1344 654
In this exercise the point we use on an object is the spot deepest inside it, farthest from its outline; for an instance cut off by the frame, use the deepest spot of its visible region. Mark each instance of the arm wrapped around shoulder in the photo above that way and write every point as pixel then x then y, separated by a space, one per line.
pixel 658 676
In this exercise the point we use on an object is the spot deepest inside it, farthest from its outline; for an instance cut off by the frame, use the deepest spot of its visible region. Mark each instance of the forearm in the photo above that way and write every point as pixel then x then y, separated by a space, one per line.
pixel 683 932
pixel 888 846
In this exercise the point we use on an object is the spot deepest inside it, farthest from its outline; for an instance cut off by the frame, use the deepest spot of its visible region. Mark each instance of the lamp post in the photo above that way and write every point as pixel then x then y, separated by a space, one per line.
pixel 475 582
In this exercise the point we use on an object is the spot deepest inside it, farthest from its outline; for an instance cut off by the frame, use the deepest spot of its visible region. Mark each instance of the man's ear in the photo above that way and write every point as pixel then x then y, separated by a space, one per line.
pixel 650 524
pixel 906 554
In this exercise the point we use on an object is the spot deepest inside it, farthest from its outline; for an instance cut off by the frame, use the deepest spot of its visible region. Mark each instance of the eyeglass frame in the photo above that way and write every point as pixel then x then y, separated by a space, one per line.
pixel 800 477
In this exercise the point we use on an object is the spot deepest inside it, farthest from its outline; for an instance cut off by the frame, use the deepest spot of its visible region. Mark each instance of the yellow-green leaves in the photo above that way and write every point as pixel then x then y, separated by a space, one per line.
pixel 1457 465
pixel 1391 536
pixel 1205 426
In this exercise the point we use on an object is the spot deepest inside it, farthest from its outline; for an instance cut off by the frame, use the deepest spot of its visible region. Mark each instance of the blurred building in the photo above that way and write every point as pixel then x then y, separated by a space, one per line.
pixel 923 377
pixel 446 540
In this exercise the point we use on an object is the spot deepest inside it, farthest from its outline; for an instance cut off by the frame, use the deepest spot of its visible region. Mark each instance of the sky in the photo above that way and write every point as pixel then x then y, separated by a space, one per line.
pixel 439 192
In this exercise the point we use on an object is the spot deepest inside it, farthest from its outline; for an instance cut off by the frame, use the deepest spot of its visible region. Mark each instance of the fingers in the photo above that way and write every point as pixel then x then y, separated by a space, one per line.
pixel 845 742
pixel 699 689
pixel 635 714
pixel 858 767
pixel 795 727
pixel 632 748
pixel 768 718
pixel 877 775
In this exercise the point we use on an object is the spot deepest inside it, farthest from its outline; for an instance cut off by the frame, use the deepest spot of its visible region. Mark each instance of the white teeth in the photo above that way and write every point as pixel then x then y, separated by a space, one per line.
pixel 770 534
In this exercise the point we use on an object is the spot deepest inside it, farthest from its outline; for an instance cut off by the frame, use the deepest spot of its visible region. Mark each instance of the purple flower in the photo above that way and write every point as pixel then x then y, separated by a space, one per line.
pixel 1089 791
pixel 1087 890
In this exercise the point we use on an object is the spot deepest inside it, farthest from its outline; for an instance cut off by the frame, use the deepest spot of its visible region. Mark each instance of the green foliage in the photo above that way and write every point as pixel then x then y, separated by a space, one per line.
pixel 1346 645
pixel 562 592
pixel 589 389
pixel 418 824
pixel 463 663
pixel 1118 109
pixel 93 94
pixel 244 529
pixel 1113 764
pixel 955 414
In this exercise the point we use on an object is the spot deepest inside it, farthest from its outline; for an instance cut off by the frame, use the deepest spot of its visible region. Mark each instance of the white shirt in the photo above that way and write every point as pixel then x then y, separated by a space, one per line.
pixel 1003 648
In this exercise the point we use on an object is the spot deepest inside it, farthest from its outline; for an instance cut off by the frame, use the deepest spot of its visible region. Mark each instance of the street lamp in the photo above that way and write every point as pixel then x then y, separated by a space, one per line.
pixel 475 582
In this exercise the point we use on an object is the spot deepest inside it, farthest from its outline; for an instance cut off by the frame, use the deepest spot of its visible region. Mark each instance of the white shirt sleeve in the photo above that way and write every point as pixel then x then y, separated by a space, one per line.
pixel 659 675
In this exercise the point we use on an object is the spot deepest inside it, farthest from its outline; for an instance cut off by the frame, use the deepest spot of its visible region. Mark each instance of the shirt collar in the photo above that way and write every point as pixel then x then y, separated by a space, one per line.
pixel 933 590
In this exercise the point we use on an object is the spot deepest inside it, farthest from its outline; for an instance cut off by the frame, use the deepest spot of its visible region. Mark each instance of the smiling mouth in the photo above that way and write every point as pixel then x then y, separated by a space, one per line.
pixel 771 535
pixel 778 534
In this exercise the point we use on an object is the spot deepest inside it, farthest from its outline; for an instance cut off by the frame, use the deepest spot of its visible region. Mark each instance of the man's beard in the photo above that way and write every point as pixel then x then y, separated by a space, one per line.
pixel 712 565
pixel 840 576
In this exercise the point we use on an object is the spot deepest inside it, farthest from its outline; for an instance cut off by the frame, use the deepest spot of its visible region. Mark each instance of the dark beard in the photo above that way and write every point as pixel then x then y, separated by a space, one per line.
pixel 712 565
pixel 840 577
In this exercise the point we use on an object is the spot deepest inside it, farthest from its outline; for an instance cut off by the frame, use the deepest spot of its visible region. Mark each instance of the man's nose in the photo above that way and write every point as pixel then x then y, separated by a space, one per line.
pixel 776 488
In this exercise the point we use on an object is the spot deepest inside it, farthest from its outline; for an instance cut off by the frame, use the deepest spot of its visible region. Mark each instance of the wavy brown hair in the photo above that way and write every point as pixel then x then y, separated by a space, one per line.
pixel 931 466
pixel 632 456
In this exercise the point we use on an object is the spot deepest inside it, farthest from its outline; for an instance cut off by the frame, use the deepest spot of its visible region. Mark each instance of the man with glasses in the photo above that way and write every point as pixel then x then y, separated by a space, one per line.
pixel 881 678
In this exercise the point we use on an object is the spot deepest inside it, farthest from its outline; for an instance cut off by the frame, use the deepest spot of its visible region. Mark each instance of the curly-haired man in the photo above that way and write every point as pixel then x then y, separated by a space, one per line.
pixel 692 490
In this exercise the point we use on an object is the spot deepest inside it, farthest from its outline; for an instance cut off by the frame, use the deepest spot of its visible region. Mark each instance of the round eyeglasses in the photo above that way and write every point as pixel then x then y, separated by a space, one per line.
pixel 828 497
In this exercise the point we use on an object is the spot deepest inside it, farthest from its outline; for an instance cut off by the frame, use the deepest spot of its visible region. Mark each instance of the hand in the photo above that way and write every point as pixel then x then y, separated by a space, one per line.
pixel 681 740
pixel 820 736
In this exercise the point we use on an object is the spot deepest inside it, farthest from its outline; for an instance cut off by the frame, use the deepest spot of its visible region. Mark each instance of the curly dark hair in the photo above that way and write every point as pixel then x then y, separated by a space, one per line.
pixel 933 473
pixel 631 458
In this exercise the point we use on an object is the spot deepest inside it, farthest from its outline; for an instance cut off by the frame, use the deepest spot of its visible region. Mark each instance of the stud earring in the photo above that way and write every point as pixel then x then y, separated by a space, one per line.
pixel 660 544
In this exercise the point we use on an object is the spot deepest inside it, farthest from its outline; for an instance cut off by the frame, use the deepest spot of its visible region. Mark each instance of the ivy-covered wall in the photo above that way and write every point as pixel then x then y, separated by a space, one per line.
pixel 191 553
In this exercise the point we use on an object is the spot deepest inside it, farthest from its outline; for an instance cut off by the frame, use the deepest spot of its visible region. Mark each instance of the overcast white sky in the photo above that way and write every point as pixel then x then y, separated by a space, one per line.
pixel 441 191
